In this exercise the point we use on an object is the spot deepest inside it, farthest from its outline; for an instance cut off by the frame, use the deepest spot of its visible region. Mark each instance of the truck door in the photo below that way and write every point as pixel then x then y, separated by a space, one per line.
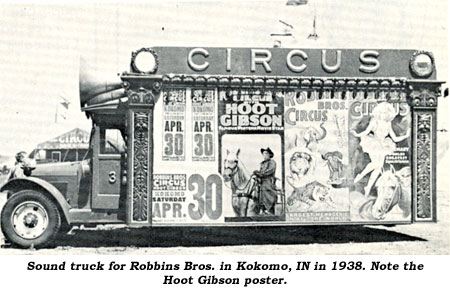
pixel 107 168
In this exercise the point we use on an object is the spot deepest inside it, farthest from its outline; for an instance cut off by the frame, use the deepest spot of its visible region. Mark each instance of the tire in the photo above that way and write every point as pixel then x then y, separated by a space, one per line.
pixel 64 229
pixel 30 219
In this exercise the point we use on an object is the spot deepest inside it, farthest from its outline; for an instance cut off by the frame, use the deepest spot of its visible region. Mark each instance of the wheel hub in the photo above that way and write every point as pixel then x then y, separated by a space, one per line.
pixel 29 220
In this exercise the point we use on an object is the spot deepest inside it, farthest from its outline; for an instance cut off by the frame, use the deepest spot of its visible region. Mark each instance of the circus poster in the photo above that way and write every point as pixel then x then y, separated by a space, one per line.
pixel 251 130
pixel 316 157
pixel 380 154
pixel 174 125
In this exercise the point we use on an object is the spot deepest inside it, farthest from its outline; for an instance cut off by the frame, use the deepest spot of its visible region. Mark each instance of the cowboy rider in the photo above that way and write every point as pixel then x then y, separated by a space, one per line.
pixel 266 178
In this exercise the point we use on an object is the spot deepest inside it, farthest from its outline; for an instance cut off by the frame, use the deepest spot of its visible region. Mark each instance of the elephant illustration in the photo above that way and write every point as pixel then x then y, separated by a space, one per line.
pixel 306 137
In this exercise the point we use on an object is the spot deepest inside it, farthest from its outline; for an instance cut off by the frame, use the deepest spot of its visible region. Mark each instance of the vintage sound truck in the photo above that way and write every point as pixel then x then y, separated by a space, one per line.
pixel 244 137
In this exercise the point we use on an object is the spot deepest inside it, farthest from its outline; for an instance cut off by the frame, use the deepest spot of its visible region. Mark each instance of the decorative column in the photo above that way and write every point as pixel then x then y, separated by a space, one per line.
pixel 141 102
pixel 423 99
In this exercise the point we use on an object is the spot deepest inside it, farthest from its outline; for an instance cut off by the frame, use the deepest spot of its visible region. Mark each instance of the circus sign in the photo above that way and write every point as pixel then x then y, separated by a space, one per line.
pixel 289 62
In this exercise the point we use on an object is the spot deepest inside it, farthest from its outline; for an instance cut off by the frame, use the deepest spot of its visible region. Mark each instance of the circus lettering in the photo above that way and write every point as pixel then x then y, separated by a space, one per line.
pixel 294 60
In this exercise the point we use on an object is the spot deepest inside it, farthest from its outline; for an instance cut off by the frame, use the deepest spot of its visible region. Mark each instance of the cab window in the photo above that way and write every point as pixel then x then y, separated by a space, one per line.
pixel 111 142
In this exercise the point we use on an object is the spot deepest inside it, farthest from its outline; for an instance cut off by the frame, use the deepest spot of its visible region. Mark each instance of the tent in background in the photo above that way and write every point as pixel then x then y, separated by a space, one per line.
pixel 68 147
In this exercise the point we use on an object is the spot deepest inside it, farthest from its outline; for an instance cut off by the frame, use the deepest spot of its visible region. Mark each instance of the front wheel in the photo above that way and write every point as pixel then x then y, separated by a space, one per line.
pixel 30 219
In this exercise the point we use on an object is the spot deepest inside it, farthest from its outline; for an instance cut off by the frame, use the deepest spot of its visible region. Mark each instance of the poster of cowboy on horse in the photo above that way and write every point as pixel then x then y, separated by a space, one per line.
pixel 252 148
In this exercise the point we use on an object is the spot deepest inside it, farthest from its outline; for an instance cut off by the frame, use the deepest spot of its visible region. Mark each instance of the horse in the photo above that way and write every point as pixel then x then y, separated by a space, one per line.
pixel 244 188
pixel 393 188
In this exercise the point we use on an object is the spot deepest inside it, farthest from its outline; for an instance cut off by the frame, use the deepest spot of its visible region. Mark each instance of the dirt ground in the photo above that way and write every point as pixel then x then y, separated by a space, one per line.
pixel 415 239
pixel 425 238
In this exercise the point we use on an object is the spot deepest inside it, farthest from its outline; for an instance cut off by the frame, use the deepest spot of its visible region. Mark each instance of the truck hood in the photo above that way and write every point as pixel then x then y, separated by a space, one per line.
pixel 60 169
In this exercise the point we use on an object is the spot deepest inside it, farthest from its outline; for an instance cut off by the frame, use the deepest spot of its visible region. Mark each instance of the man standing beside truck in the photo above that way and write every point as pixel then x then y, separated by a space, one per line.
pixel 23 166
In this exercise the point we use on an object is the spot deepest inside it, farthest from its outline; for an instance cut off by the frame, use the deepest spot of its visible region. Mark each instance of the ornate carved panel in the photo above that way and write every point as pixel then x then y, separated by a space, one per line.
pixel 140 141
pixel 141 96
pixel 141 172
pixel 424 179
pixel 423 98
pixel 140 163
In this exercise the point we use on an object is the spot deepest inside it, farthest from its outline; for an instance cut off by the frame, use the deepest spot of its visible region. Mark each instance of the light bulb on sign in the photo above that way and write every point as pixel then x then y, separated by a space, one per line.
pixel 144 61
pixel 422 63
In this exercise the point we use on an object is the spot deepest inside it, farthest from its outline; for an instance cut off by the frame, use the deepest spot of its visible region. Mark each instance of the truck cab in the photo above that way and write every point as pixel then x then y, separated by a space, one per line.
pixel 59 195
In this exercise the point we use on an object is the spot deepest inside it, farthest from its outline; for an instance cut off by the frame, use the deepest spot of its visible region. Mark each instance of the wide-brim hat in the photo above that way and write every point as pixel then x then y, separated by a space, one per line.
pixel 271 154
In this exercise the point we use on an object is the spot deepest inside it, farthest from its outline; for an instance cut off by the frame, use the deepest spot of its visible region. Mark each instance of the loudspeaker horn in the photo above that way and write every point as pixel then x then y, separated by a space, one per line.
pixel 106 97
pixel 92 85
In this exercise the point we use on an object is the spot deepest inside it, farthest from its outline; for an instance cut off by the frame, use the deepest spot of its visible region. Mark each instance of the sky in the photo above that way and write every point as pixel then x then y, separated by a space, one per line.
pixel 41 45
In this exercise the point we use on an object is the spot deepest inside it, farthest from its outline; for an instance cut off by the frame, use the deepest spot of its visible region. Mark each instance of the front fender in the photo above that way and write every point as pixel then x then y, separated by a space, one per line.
pixel 18 184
